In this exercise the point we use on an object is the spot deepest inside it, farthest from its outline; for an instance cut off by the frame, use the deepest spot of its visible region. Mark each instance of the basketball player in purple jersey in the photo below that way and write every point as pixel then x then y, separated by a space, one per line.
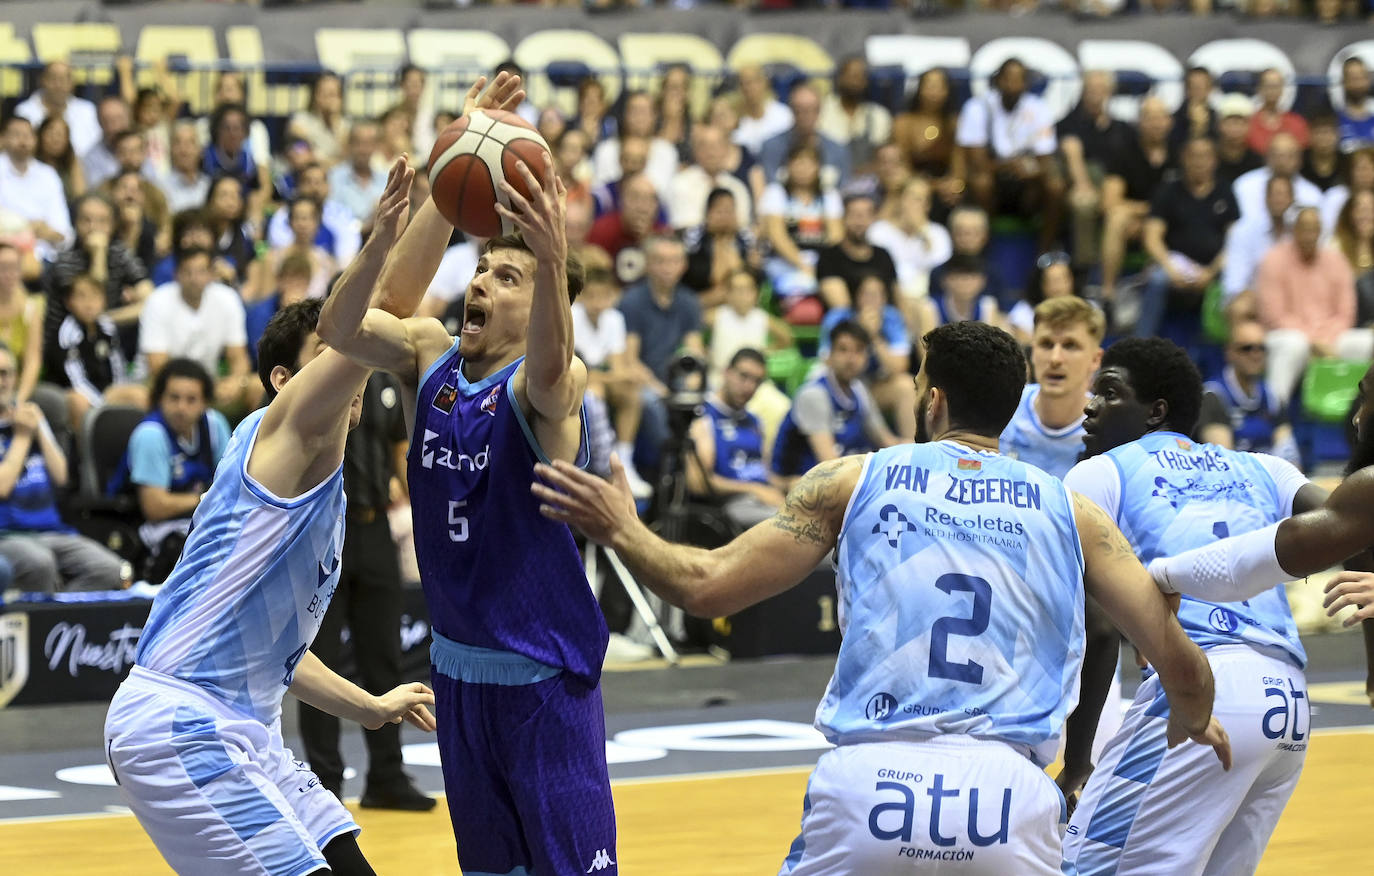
pixel 518 636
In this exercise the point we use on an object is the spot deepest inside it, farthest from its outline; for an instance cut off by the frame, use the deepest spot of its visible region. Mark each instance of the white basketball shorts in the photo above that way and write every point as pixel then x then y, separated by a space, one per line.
pixel 952 804
pixel 217 791
pixel 1151 810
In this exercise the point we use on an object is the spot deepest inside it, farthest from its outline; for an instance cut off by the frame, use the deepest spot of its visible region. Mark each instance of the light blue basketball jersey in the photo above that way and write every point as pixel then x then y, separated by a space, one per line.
pixel 960 582
pixel 1027 439
pixel 1176 495
pixel 254 580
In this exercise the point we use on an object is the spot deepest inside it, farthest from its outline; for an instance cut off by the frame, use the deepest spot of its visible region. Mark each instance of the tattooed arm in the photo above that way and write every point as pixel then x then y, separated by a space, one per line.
pixel 768 559
pixel 1114 577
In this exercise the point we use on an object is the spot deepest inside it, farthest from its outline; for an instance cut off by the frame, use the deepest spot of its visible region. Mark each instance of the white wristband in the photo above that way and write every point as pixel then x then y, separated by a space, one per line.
pixel 1229 570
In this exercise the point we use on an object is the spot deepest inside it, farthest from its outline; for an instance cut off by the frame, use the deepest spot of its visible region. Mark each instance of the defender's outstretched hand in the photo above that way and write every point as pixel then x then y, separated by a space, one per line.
pixel 505 93
pixel 393 209
pixel 405 702
pixel 599 508
pixel 542 218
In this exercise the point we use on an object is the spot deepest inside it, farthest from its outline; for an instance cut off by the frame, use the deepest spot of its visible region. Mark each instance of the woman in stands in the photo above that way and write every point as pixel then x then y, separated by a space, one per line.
pixel 799 217
pixel 724 114
pixel 925 134
pixel 674 110
pixel 322 123
pixel 140 234
pixel 1355 237
pixel 55 150
pixel 234 238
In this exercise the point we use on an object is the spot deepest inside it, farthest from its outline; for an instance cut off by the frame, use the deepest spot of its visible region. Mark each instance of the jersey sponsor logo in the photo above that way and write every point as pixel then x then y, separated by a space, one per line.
pixel 1224 620
pixel 894 523
pixel 881 706
pixel 325 571
pixel 447 459
pixel 601 861
pixel 489 403
pixel 894 819
pixel 446 398
pixel 1289 722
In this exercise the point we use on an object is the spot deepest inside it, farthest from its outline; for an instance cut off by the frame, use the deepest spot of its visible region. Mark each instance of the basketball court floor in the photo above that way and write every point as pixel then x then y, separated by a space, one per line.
pixel 709 763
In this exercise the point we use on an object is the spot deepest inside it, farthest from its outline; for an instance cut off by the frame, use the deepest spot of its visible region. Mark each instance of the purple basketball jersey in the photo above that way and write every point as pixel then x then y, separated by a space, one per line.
pixel 497 574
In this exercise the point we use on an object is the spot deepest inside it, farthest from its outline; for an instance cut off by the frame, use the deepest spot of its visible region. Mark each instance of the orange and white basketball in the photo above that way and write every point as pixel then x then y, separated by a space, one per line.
pixel 469 160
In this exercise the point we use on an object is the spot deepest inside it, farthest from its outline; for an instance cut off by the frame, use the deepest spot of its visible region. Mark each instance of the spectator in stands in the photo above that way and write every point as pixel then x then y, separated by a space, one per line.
pixel 416 104
pixel 1322 162
pixel 192 229
pixel 21 323
pixel 833 414
pixel 842 266
pixel 133 226
pixel 304 218
pixel 724 114
pixel 673 106
pixel 286 170
pixel 916 244
pixel 1248 242
pixel 890 175
pixel 1356 113
pixel 225 209
pixel 1090 139
pixel 570 161
pixel 55 150
pixel 33 190
pixel 131 156
pixel 1306 297
pixel 230 89
pixel 100 162
pixel 602 343
pixel 730 464
pixel 717 248
pixel 637 119
pixel 322 123
pixel 46 555
pixel 1355 238
pixel 622 234
pixel 969 233
pixel 963 295
pixel 633 155
pixel 849 118
pixel 799 217
pixel 662 317
pixel 295 272
pixel 1359 177
pixel 1284 159
pixel 888 372
pixel 171 460
pixel 761 115
pixel 686 203
pixel 1008 137
pixel 155 109
pixel 1195 118
pixel 97 251
pixel 229 152
pixel 805 103
pixel 1185 236
pixel 1270 118
pixel 740 322
pixel 339 232
pixel 54 97
pixel 1052 277
pixel 1132 177
pixel 185 185
pixel 592 116
pixel 94 368
pixel 354 183
pixel 1239 410
pixel 395 139
pixel 197 318
pixel 924 133
pixel 1234 156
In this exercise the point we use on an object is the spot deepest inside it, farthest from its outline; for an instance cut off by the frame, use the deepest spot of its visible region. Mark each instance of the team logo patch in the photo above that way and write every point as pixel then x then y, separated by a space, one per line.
pixel 881 707
pixel 970 465
pixel 489 403
pixel 1223 620
pixel 446 398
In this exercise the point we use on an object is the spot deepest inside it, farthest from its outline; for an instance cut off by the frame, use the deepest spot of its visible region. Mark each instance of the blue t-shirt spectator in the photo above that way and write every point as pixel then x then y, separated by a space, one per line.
pixel 893 332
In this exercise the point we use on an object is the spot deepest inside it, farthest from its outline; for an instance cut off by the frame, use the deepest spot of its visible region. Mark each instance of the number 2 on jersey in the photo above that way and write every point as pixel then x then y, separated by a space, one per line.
pixel 974 625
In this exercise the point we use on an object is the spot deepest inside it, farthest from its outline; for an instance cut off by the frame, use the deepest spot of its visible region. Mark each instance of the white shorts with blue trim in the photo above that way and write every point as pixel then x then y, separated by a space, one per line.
pixel 218 792
pixel 1148 809
pixel 952 804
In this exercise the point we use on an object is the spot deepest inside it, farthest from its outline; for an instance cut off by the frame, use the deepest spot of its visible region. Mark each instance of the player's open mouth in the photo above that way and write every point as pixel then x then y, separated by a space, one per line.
pixel 474 318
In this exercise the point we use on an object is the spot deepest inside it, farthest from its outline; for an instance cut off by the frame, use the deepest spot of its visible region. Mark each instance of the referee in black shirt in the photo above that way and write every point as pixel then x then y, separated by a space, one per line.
pixel 368 601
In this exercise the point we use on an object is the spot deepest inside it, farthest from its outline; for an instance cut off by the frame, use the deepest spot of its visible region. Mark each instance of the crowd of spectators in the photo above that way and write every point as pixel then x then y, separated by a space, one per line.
pixel 812 236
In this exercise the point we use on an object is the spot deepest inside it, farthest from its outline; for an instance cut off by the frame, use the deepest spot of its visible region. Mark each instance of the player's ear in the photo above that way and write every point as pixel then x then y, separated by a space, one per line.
pixel 280 374
pixel 1159 412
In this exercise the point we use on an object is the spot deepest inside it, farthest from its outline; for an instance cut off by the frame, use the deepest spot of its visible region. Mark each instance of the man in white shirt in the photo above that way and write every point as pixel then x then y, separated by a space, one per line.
pixel 691 185
pixel 195 318
pixel 100 161
pixel 851 120
pixel 33 190
pixel 1009 137
pixel 916 244
pixel 761 114
pixel 340 232
pixel 185 184
pixel 54 95
pixel 355 183
pixel 1248 242
pixel 1283 159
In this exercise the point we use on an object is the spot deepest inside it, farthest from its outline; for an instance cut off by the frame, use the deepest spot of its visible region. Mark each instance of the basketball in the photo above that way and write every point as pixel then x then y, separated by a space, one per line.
pixel 469 160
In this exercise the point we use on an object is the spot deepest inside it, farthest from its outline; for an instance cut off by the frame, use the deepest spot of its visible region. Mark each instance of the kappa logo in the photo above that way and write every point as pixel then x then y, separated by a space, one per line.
pixel 489 403
pixel 601 861
pixel 894 524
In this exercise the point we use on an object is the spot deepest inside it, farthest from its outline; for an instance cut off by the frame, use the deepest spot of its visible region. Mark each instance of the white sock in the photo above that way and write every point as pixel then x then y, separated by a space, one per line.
pixel 626 451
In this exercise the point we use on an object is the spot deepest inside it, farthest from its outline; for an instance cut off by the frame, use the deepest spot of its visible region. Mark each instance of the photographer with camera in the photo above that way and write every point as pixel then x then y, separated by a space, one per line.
pixel 729 461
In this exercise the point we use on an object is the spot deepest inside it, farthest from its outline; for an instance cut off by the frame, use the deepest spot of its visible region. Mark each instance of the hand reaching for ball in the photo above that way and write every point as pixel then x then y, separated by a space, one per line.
pixel 542 217
pixel 505 93
pixel 393 209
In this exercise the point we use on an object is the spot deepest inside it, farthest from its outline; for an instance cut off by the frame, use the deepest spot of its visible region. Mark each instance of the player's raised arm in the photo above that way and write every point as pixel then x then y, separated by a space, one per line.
pixel 768 559
pixel 411 268
pixel 1243 566
pixel 1115 578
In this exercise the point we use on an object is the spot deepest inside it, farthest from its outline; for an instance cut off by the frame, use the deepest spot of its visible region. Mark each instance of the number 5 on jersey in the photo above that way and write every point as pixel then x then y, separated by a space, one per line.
pixel 457 523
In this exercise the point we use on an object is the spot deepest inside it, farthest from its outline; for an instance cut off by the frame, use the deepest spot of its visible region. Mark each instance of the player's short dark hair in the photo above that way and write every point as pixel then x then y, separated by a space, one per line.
pixel 748 354
pixel 186 368
pixel 965 263
pixel 981 371
pixel 572 265
pixel 716 194
pixel 850 328
pixel 282 339
pixel 1160 369
pixel 185 254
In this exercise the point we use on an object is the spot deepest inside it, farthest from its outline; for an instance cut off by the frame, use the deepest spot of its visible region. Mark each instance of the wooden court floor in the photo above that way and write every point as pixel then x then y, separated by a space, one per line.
pixel 726 825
